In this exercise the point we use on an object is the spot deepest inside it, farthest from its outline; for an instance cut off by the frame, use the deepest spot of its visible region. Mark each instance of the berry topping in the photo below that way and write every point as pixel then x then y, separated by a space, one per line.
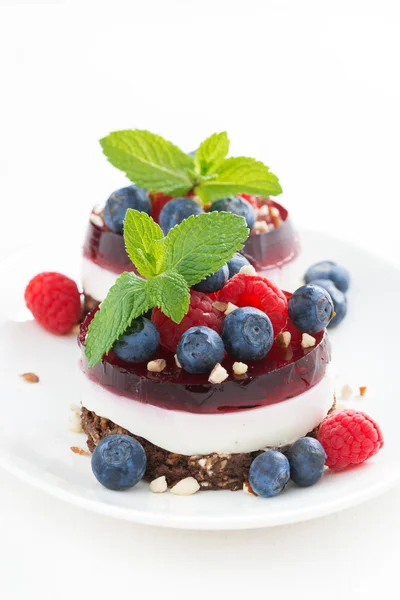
pixel 119 462
pixel 269 473
pixel 119 202
pixel 349 437
pixel 139 342
pixel 175 211
pixel 310 308
pixel 200 349
pixel 329 270
pixel 307 459
pixel 158 201
pixel 213 282
pixel 248 334
pixel 259 292
pixel 237 206
pixel 54 301
pixel 338 298
pixel 236 263
pixel 201 312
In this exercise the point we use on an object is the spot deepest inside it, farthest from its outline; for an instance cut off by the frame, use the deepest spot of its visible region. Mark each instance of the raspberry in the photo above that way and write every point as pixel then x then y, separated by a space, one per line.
pixel 252 199
pixel 259 292
pixel 201 312
pixel 54 301
pixel 158 201
pixel 349 437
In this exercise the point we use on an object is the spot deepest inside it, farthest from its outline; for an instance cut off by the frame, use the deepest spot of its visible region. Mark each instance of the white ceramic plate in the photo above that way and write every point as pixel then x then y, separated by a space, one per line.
pixel 34 434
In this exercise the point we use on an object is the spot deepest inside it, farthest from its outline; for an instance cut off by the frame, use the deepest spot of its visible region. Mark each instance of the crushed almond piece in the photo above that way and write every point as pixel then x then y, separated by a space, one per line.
pixel 248 489
pixel 80 451
pixel 346 392
pixel 239 368
pixel 218 374
pixel 283 339
pixel 260 227
pixel 248 270
pixel 75 423
pixel 221 306
pixel 30 377
pixel 159 485
pixel 96 220
pixel 178 364
pixel 275 216
pixel 186 487
pixel 363 390
pixel 157 365
pixel 230 308
pixel 264 210
pixel 307 341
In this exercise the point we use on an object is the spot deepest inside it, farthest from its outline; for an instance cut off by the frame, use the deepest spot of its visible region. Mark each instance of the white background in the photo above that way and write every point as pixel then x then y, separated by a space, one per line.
pixel 311 88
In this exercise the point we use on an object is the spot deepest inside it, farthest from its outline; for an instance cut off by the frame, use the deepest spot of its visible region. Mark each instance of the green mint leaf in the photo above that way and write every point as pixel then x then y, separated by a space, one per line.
pixel 127 299
pixel 150 161
pixel 239 175
pixel 201 244
pixel 143 242
pixel 211 153
pixel 170 292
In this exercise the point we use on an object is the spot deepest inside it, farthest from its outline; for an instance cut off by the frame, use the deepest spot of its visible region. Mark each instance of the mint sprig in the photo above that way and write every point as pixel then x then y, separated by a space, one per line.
pixel 159 166
pixel 191 251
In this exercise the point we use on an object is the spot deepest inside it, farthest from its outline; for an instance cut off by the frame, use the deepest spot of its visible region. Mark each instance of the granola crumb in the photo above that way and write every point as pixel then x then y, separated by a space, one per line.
pixel 78 450
pixel 30 377
pixel 283 339
pixel 363 390
pixel 157 365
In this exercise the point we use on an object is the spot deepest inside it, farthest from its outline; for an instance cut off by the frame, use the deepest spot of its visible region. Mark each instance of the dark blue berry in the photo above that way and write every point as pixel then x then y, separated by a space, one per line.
pixel 119 202
pixel 175 211
pixel 139 342
pixel 307 459
pixel 214 282
pixel 269 473
pixel 237 206
pixel 236 263
pixel 119 462
pixel 338 298
pixel 248 334
pixel 329 270
pixel 200 349
pixel 310 308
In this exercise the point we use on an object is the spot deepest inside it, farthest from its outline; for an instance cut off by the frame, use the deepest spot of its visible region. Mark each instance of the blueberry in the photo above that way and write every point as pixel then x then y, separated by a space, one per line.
pixel 200 349
pixel 119 462
pixel 175 211
pixel 214 282
pixel 310 308
pixel 119 202
pixel 269 473
pixel 237 206
pixel 248 334
pixel 236 263
pixel 338 298
pixel 329 270
pixel 139 342
pixel 307 459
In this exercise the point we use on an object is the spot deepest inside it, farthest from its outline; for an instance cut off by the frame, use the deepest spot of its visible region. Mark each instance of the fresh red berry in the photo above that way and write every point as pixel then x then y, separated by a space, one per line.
pixel 158 201
pixel 254 201
pixel 259 292
pixel 54 301
pixel 201 312
pixel 349 437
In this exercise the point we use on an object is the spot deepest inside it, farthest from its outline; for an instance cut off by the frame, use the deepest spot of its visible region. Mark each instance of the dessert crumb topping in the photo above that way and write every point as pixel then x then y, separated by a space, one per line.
pixel 157 365
pixel 363 390
pixel 230 308
pixel 186 487
pixel 218 374
pixel 221 306
pixel 263 211
pixel 96 220
pixel 346 392
pixel 307 341
pixel 159 485
pixel 248 270
pixel 239 368
pixel 78 450
pixel 30 377
pixel 283 339
pixel 178 364
pixel 75 423
pixel 247 489
pixel 260 227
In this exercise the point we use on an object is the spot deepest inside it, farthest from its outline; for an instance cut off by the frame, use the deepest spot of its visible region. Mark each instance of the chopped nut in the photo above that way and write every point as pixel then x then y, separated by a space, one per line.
pixel 247 489
pixel 363 390
pixel 223 464
pixel 248 270
pixel 205 483
pixel 157 365
pixel 186 487
pixel 75 423
pixel 239 368
pixel 260 227
pixel 307 341
pixel 159 485
pixel 274 212
pixel 77 450
pixel 96 220
pixel 283 339
pixel 346 392
pixel 76 329
pixel 30 377
pixel 221 306
pixel 230 308
pixel 264 210
pixel 203 462
pixel 178 364
pixel 218 374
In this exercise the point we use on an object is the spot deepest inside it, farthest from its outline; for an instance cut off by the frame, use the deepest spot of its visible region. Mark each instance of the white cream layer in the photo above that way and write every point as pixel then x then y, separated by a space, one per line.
pixel 96 280
pixel 190 433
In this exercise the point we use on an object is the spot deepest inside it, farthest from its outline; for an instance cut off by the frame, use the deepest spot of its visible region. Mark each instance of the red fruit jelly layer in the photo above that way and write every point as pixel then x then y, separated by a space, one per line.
pixel 265 251
pixel 282 374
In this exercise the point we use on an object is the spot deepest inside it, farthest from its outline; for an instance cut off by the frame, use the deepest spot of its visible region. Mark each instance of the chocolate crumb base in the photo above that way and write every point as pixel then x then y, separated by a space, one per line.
pixel 213 471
